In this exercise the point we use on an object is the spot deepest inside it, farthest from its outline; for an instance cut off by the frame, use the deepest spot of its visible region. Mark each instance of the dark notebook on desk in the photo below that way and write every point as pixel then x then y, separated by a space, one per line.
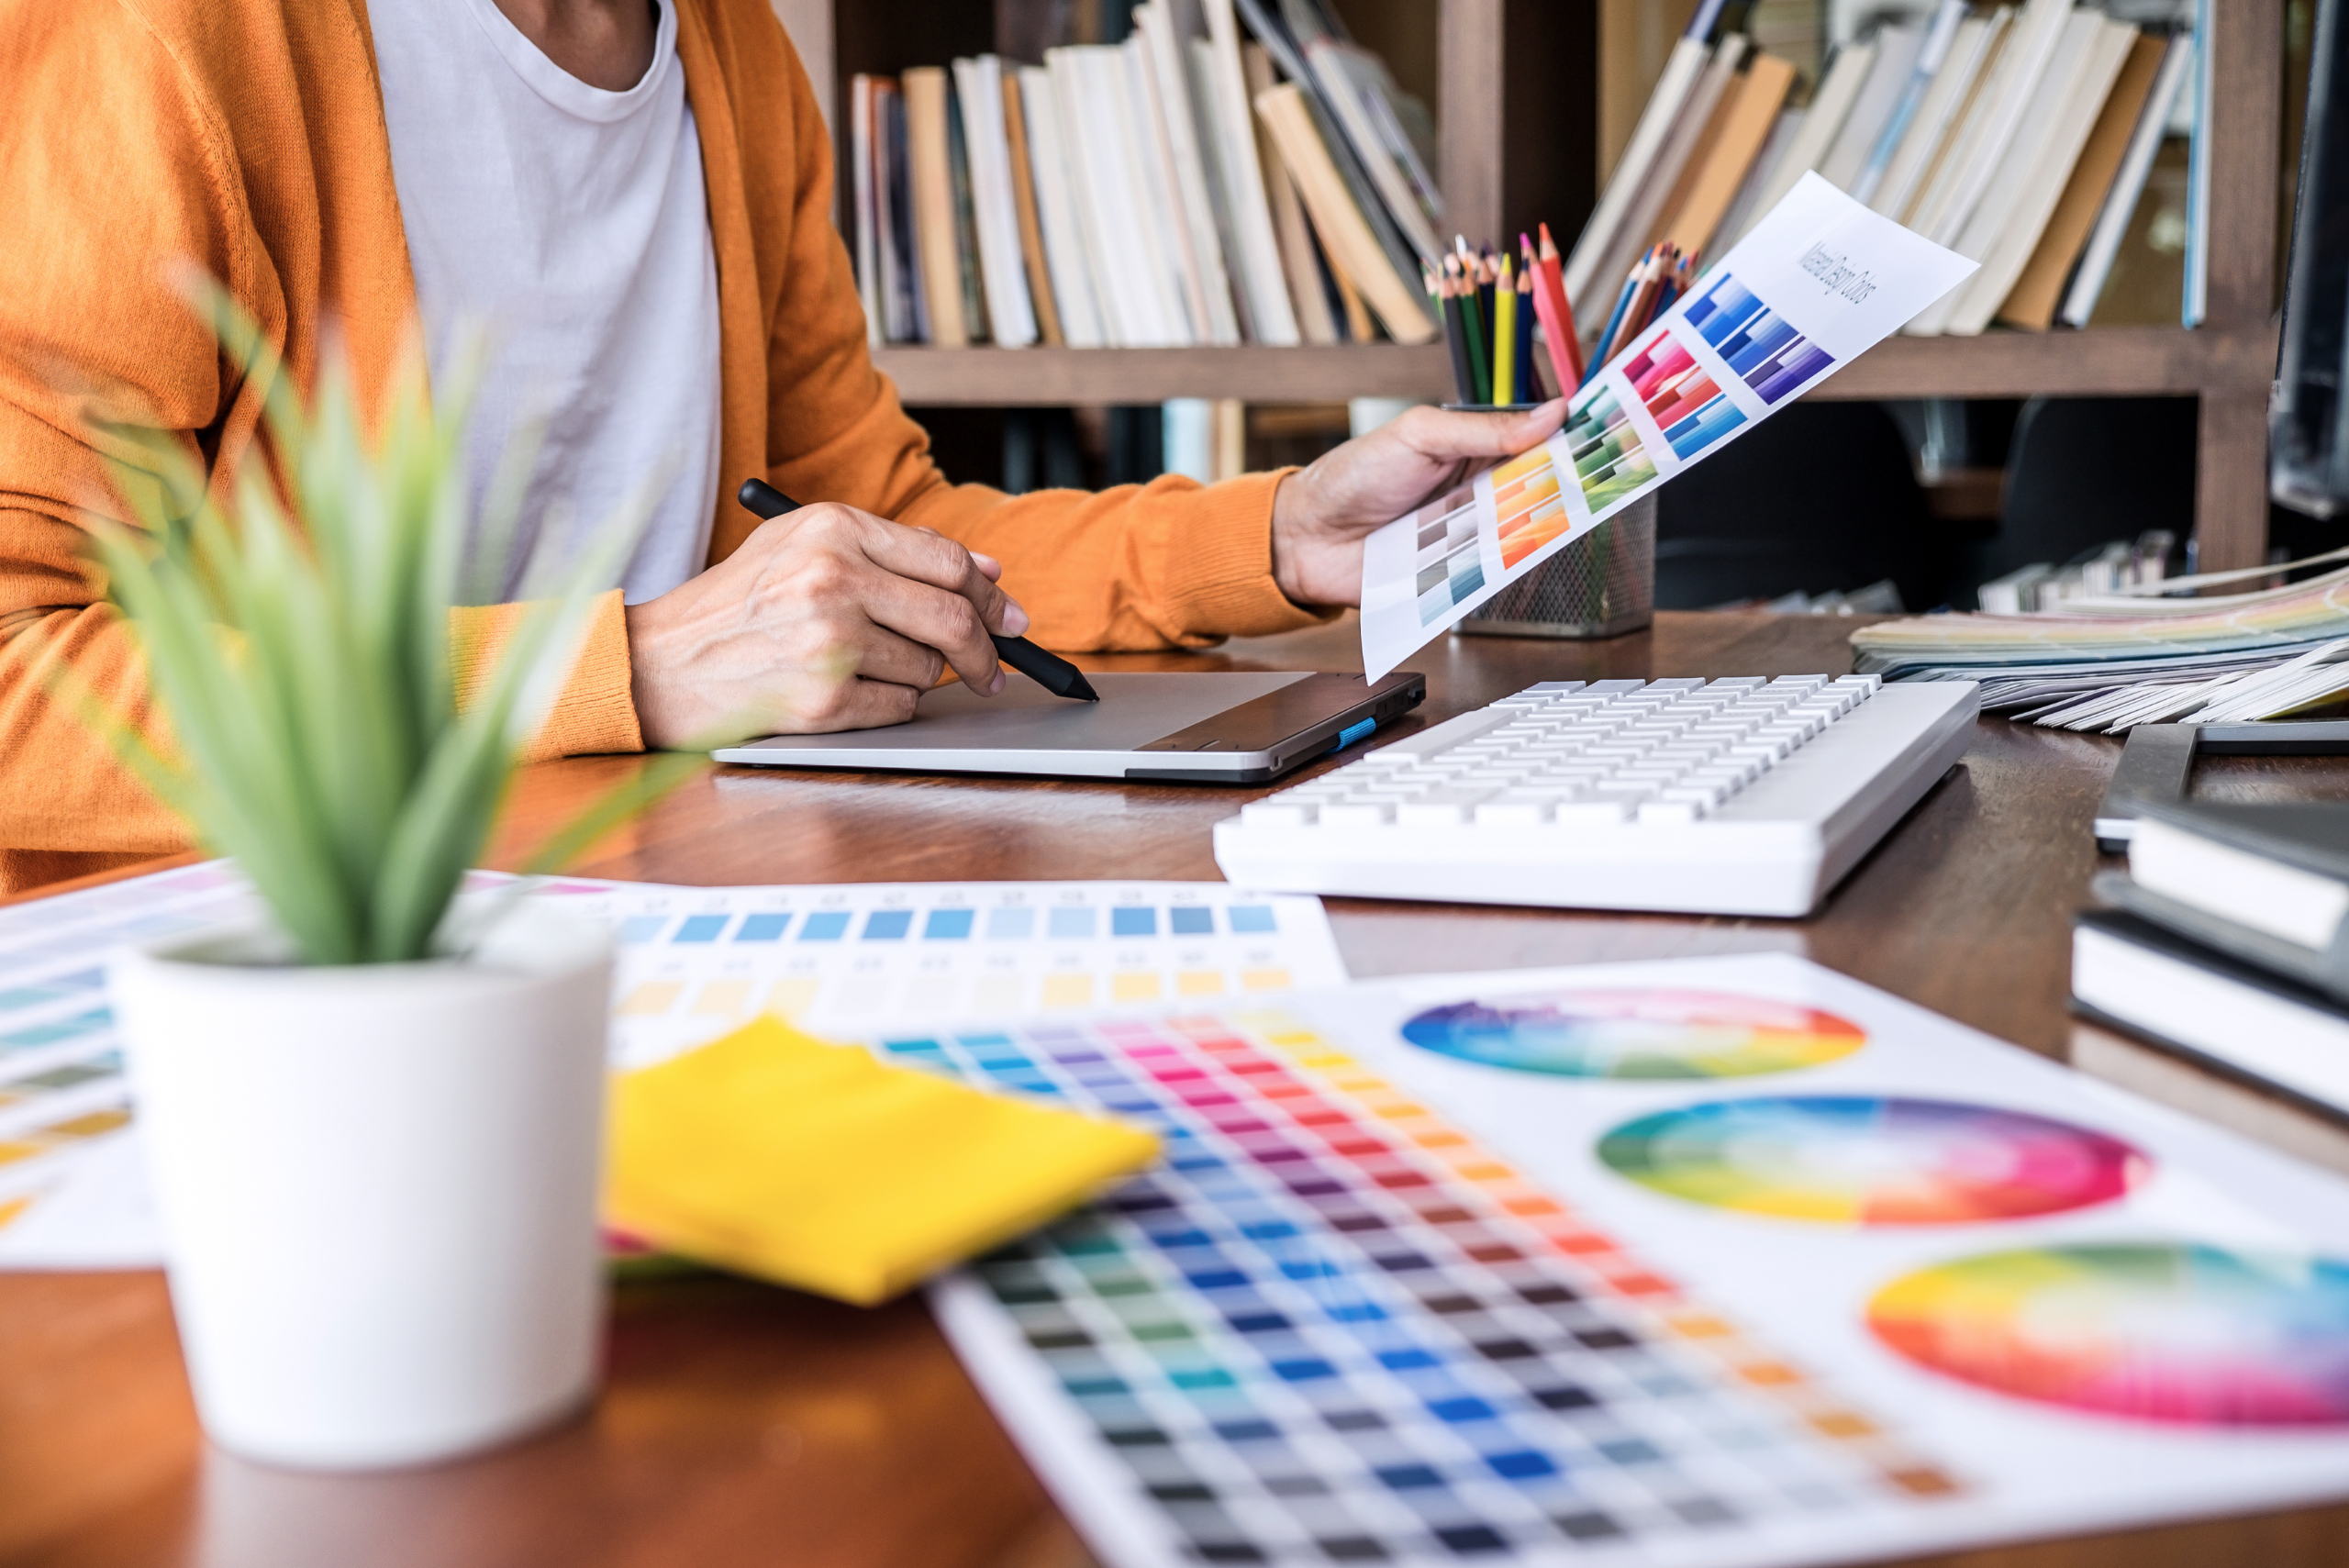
pixel 2226 954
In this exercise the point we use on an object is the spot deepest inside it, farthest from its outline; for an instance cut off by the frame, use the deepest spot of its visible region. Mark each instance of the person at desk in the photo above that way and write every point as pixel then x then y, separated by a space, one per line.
pixel 638 192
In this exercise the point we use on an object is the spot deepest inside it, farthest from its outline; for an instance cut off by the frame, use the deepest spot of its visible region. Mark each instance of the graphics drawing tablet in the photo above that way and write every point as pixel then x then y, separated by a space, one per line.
pixel 1239 728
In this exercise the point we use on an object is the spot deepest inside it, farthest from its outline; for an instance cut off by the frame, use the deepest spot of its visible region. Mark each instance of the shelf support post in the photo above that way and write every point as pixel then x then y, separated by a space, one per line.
pixel 1471 108
pixel 2246 65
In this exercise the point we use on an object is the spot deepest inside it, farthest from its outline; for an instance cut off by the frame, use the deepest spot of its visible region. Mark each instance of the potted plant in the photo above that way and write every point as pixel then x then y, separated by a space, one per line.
pixel 372 1121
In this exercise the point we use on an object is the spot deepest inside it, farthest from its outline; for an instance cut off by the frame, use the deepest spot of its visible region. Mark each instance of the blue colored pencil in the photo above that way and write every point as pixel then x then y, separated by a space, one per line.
pixel 1622 303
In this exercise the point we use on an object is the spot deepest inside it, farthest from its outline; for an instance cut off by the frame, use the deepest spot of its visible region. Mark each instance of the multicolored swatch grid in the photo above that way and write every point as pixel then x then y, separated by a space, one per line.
pixel 1530 509
pixel 1449 567
pixel 1769 355
pixel 1331 1326
pixel 695 963
pixel 1683 399
pixel 62 1084
pixel 63 1095
pixel 1461 1267
pixel 1611 461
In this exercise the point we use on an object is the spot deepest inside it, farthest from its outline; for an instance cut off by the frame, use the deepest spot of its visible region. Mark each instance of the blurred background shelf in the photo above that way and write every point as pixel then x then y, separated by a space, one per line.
pixel 2099 362
pixel 1531 98
pixel 2102 362
pixel 1041 376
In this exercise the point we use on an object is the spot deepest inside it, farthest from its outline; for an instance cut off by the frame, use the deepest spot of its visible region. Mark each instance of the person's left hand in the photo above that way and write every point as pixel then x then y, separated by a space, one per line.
pixel 1321 515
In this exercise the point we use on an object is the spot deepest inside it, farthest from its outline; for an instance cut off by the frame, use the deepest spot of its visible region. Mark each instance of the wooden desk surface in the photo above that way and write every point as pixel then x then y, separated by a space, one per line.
pixel 742 1425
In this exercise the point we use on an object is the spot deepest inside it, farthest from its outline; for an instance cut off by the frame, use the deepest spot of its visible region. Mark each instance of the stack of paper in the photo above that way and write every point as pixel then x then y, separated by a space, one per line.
pixel 2108 664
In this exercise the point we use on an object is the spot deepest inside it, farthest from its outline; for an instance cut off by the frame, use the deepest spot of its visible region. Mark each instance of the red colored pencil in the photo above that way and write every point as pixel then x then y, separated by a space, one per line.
pixel 1550 297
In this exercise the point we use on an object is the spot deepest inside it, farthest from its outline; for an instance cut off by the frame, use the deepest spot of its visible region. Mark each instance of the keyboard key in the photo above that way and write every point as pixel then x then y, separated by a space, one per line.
pixel 1512 814
pixel 1441 807
pixel 1351 813
pixel 1670 813
pixel 1603 812
pixel 1278 813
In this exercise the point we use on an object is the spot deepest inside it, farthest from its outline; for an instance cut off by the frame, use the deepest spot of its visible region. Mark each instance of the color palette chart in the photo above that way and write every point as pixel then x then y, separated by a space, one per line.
pixel 1448 567
pixel 71 1192
pixel 1527 503
pixel 695 963
pixel 1541 1266
pixel 72 1186
pixel 1761 348
pixel 1812 286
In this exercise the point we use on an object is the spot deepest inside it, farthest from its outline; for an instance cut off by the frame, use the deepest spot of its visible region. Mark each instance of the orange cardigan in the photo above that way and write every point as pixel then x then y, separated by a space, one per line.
pixel 249 135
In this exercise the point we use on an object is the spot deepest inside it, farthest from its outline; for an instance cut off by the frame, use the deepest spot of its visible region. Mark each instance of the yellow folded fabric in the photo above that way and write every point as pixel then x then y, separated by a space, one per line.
pixel 773 1153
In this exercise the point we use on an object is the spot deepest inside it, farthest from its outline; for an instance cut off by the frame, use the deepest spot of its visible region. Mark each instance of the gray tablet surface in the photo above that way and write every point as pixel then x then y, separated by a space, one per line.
pixel 1208 728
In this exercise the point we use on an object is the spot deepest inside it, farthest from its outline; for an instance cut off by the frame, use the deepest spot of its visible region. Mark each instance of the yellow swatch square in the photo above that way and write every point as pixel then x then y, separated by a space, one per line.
pixel 815 1165
pixel 1068 990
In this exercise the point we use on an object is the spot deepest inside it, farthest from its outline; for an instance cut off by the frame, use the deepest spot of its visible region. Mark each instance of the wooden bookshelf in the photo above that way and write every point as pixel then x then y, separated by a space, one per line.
pixel 1517 111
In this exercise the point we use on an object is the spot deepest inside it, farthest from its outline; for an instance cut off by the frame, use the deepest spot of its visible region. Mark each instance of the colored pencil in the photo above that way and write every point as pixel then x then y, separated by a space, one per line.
pixel 1529 387
pixel 1455 335
pixel 1564 353
pixel 1636 319
pixel 1479 367
pixel 1631 281
pixel 1485 296
pixel 1551 284
pixel 1504 334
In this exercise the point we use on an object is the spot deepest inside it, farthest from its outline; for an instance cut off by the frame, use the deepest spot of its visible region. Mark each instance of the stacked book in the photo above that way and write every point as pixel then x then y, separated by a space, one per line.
pixel 2019 136
pixel 2221 959
pixel 1193 185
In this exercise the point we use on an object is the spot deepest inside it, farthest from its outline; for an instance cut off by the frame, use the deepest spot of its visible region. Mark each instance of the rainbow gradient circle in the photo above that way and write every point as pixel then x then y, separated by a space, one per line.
pixel 2185 1335
pixel 1862 1160
pixel 1636 1034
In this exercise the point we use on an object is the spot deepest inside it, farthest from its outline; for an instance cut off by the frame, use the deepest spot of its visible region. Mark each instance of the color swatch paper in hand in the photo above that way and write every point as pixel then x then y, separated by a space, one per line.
pixel 1724 1261
pixel 1814 284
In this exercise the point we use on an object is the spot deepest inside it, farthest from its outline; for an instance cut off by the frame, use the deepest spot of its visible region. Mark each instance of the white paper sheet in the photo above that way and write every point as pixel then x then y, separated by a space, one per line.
pixel 1911 1291
pixel 693 962
pixel 1814 284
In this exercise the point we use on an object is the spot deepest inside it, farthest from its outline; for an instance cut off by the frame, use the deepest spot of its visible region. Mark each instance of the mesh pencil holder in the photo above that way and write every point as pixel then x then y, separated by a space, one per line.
pixel 1603 584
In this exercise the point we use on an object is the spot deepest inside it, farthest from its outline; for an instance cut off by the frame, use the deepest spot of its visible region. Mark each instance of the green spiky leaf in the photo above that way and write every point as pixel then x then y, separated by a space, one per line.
pixel 298 645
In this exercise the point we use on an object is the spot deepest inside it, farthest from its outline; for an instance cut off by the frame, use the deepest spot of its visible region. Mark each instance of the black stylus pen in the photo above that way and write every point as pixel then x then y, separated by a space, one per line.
pixel 1049 671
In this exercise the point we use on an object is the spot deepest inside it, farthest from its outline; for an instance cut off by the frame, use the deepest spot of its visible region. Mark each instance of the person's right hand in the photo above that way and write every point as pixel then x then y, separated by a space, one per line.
pixel 828 619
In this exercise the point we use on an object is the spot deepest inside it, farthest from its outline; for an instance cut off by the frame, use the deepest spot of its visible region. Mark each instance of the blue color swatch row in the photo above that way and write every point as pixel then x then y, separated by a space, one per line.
pixel 1081 923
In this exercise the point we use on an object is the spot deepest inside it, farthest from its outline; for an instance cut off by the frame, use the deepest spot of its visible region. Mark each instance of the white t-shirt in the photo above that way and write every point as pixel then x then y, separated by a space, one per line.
pixel 571 223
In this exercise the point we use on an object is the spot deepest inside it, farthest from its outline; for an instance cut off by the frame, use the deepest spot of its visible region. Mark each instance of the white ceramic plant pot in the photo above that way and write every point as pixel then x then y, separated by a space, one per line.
pixel 377 1186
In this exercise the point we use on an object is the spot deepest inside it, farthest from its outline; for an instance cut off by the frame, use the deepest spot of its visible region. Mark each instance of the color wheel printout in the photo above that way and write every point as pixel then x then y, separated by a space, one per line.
pixel 1816 283
pixel 693 962
pixel 1711 1261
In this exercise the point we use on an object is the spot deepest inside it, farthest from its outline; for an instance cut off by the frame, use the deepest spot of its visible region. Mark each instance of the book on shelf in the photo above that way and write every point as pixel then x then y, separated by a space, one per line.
pixel 1309 287
pixel 2223 963
pixel 2021 135
pixel 1232 171
pixel 2108 241
pixel 2032 303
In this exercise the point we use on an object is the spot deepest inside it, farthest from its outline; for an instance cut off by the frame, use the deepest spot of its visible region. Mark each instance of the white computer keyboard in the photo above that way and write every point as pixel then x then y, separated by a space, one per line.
pixel 1741 795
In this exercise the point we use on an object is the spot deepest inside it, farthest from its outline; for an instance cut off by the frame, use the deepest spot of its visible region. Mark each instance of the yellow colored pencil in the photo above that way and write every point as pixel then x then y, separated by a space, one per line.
pixel 1504 334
